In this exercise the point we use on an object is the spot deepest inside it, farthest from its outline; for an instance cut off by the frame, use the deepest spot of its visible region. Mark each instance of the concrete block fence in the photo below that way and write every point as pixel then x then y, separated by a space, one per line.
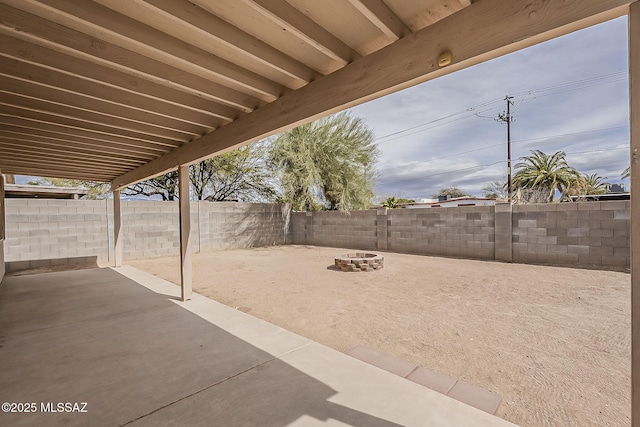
pixel 43 232
pixel 588 234
pixel 591 234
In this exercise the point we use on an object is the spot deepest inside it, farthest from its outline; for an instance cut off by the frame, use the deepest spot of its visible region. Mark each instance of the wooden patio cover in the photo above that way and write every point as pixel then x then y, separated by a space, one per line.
pixel 122 90
pixel 119 91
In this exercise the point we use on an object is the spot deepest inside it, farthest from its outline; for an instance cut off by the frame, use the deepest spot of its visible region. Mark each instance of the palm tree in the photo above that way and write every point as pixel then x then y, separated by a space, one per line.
pixel 592 184
pixel 391 203
pixel 585 185
pixel 544 174
pixel 626 173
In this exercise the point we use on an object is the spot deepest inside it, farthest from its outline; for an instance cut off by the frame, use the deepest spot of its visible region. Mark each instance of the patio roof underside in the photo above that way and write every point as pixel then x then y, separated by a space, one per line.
pixel 119 91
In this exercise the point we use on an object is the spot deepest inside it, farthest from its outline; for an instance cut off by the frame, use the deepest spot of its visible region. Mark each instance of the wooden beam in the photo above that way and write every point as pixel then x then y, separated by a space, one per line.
pixel 504 25
pixel 98 96
pixel 59 38
pixel 186 275
pixel 72 137
pixel 26 151
pixel 76 123
pixel 634 114
pixel 382 17
pixel 165 100
pixel 117 229
pixel 57 172
pixel 108 25
pixel 194 25
pixel 22 94
pixel 2 224
pixel 77 166
pixel 48 147
pixel 299 24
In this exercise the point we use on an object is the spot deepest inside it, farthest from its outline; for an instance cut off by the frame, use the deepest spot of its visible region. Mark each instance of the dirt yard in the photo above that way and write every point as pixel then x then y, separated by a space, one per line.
pixel 554 342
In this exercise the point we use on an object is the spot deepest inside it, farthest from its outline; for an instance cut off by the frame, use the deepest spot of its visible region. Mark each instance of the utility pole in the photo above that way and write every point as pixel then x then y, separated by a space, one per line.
pixel 507 118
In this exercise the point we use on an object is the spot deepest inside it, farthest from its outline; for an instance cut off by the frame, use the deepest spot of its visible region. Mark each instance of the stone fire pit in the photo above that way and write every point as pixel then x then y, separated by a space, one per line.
pixel 359 261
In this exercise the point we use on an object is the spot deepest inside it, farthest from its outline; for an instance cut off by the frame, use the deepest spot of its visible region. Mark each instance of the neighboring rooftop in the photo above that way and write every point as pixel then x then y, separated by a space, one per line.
pixel 14 191
pixel 457 201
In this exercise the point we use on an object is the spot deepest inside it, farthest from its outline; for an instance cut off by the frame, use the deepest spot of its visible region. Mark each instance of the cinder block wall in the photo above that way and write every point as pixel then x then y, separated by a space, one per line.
pixel 463 232
pixel 585 234
pixel 80 231
pixel 229 225
pixel 355 229
pixel 40 229
pixel 588 234
pixel 297 234
pixel 151 229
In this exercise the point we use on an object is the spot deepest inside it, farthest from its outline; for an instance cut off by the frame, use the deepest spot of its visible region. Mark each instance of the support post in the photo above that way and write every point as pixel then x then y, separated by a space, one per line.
pixel 2 227
pixel 381 229
pixel 185 233
pixel 503 228
pixel 117 229
pixel 308 227
pixel 634 114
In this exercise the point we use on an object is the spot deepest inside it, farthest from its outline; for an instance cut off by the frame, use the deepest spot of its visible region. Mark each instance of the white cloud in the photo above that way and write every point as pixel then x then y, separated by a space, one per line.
pixel 552 114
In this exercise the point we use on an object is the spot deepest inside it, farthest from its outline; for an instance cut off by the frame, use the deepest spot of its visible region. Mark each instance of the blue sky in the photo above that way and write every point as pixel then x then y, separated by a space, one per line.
pixel 570 94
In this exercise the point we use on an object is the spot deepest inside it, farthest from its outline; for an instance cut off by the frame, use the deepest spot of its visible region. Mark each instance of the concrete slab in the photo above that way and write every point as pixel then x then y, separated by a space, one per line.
pixel 138 356
pixel 432 379
pixel 395 365
pixel 366 354
pixel 476 397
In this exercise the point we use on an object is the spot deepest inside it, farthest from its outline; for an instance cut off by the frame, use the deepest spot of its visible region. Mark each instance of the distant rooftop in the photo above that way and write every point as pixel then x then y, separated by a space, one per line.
pixel 13 191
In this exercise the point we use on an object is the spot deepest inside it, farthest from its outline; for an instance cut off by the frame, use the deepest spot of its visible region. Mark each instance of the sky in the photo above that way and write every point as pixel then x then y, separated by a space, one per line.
pixel 569 94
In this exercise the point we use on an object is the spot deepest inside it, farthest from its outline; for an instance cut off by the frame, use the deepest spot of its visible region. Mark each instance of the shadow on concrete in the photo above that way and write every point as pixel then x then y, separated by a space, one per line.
pixel 39 266
pixel 137 358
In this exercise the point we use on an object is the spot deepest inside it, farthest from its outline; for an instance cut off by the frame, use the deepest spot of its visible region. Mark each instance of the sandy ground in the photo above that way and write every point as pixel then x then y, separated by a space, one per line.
pixel 554 342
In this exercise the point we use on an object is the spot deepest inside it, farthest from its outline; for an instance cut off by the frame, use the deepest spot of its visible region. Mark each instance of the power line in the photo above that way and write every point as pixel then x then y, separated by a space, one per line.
pixel 527 99
pixel 489 165
pixel 514 142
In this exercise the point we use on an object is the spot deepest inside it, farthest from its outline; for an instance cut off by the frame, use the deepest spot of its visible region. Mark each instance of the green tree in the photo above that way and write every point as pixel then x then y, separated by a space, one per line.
pixel 452 192
pixel 391 203
pixel 496 189
pixel 96 190
pixel 542 175
pixel 328 163
pixel 584 185
pixel 592 184
pixel 165 186
pixel 626 173
pixel 240 174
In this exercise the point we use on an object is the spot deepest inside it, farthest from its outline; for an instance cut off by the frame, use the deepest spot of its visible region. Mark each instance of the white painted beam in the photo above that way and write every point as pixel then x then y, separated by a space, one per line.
pixel 186 274
pixel 117 229
pixel 482 31
pixel 634 113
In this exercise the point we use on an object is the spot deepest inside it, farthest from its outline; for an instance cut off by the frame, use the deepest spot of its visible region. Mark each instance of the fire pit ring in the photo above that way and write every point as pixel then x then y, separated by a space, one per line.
pixel 359 261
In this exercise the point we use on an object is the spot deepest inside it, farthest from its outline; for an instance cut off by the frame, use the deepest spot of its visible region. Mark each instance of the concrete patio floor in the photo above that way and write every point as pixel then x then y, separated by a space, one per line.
pixel 121 341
